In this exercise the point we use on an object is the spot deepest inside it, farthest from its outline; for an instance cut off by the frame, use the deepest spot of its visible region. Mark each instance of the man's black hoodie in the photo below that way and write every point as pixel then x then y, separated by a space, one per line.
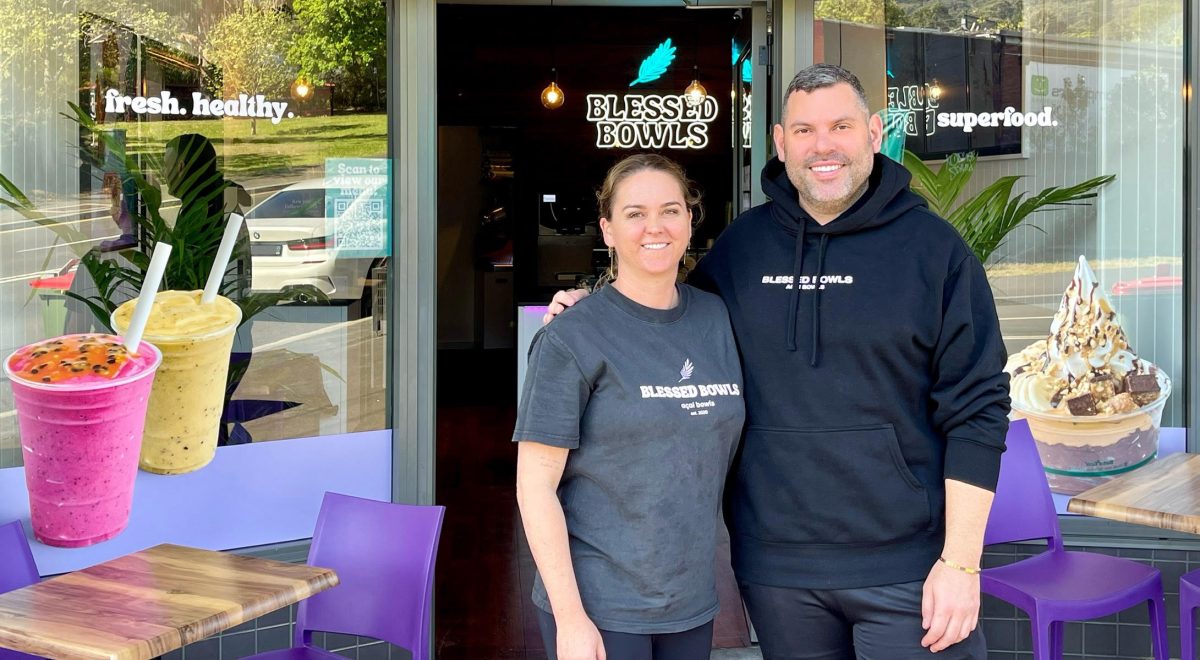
pixel 874 371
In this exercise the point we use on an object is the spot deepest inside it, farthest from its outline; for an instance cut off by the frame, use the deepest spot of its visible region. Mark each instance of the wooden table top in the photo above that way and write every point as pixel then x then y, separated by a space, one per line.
pixel 1164 493
pixel 147 603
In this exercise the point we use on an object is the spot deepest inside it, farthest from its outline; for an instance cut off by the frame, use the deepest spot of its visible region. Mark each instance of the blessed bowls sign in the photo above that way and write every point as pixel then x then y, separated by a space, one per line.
pixel 651 121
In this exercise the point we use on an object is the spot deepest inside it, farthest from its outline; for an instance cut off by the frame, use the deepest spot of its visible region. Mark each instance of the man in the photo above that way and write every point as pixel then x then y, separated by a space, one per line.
pixel 875 394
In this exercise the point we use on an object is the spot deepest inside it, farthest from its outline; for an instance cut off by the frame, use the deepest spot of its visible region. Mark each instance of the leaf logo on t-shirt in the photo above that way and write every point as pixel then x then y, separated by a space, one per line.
pixel 686 371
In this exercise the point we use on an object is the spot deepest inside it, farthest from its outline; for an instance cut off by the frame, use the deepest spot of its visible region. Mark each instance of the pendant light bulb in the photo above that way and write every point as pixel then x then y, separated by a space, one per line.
pixel 552 95
pixel 695 92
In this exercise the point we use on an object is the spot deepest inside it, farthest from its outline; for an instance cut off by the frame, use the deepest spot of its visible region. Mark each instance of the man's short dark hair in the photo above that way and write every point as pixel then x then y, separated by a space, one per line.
pixel 820 76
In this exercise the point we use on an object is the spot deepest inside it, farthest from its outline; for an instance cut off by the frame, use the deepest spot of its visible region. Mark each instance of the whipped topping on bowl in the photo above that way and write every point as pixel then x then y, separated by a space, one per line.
pixel 1085 367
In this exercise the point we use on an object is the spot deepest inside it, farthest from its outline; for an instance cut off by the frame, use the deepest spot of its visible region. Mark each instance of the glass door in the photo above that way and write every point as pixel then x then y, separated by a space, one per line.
pixel 742 78
pixel 750 113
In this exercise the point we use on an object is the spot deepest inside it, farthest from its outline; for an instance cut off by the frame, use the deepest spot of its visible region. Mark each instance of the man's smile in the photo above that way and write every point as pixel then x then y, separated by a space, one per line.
pixel 826 170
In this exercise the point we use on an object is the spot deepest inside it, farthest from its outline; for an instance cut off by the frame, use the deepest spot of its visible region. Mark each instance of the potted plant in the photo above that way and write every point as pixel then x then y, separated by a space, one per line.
pixel 987 218
pixel 188 169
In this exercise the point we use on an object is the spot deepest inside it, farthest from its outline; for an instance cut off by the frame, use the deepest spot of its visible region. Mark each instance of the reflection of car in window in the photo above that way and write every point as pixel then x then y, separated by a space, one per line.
pixel 294 243
pixel 293 202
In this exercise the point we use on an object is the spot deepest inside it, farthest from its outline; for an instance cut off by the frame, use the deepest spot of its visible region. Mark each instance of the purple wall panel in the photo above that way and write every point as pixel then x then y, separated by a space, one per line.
pixel 252 494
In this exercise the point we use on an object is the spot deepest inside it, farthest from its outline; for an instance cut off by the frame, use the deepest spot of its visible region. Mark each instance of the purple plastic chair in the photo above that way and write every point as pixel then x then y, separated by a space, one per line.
pixel 384 556
pixel 16 570
pixel 1189 600
pixel 1058 585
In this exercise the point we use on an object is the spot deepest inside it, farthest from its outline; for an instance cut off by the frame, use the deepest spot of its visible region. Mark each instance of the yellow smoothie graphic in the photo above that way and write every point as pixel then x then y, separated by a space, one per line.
pixel 1093 405
pixel 184 413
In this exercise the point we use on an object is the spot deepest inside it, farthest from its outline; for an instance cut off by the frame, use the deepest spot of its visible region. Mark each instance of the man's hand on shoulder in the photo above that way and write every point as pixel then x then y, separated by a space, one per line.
pixel 561 301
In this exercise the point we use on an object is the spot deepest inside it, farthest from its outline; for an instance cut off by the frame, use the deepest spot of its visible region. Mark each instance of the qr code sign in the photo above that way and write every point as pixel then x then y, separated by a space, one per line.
pixel 357 206
pixel 361 224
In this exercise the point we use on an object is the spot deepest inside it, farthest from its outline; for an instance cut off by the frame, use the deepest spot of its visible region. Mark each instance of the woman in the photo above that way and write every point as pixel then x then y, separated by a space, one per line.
pixel 628 422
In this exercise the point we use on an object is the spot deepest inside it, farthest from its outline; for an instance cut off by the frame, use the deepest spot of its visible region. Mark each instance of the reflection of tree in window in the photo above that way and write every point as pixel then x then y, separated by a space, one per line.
pixel 123 50
pixel 1124 21
pixel 1075 103
pixel 1121 21
pixel 865 12
pixel 49 52
pixel 343 42
pixel 1147 98
pixel 249 46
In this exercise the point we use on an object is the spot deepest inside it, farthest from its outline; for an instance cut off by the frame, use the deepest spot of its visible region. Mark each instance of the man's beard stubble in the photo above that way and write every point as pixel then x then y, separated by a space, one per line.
pixel 825 205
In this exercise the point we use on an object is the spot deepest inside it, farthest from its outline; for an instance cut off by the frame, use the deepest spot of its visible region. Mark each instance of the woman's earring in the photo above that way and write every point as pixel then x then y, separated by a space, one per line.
pixel 611 274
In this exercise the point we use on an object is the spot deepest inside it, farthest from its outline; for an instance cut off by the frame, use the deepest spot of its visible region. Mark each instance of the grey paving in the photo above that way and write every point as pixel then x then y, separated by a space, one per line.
pixel 736 654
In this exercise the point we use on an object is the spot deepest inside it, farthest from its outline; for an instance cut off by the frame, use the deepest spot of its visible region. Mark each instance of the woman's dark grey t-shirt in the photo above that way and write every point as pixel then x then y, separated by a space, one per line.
pixel 650 402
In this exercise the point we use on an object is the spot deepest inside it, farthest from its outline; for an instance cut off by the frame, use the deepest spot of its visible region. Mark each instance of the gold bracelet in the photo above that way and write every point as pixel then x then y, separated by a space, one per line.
pixel 965 569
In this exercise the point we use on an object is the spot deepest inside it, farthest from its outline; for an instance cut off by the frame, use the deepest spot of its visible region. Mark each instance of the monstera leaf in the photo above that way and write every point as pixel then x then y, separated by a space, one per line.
pixel 655 66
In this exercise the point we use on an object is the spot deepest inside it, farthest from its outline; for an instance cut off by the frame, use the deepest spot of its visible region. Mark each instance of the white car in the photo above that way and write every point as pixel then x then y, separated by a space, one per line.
pixel 293 241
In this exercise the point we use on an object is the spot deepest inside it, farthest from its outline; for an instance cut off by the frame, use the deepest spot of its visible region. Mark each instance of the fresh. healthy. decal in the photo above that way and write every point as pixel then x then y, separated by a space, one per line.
pixel 245 105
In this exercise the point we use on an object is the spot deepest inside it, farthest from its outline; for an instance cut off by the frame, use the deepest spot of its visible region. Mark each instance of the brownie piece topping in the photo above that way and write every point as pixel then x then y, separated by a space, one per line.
pixel 1143 387
pixel 1082 405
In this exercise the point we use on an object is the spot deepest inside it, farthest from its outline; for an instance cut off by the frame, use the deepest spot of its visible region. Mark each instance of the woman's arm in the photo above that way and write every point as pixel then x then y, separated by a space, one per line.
pixel 539 470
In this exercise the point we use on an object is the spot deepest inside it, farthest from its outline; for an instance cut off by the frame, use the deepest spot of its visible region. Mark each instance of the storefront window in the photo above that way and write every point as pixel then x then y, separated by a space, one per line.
pixel 1056 94
pixel 299 135
pixel 127 122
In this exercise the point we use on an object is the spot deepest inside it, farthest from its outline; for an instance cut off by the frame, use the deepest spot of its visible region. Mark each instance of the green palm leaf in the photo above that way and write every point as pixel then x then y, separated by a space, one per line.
pixel 942 188
pixel 19 200
pixel 985 220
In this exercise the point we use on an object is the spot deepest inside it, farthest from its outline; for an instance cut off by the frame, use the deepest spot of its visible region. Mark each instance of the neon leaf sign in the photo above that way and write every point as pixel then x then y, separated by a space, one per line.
pixel 654 66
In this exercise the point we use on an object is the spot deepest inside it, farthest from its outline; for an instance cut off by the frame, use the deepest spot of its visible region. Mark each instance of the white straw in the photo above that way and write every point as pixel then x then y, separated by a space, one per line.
pixel 212 287
pixel 141 313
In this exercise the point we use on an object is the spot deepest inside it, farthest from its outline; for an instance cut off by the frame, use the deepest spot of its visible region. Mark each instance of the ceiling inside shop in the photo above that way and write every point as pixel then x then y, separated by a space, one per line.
pixel 494 62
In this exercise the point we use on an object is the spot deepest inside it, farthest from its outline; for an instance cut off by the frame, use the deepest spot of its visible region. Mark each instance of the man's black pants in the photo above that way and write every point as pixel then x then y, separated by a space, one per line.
pixel 871 623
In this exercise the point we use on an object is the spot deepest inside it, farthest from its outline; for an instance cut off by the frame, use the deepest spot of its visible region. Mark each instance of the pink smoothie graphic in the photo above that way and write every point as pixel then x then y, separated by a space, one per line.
pixel 81 404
